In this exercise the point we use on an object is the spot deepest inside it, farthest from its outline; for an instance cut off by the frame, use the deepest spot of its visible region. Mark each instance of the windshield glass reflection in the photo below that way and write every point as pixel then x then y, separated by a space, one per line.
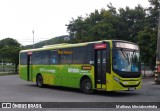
pixel 126 60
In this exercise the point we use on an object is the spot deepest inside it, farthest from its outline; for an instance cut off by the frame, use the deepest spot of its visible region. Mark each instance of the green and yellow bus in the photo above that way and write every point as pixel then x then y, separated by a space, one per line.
pixel 109 65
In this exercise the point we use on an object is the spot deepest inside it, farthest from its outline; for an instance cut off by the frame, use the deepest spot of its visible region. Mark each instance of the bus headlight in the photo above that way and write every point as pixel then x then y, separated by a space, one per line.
pixel 116 79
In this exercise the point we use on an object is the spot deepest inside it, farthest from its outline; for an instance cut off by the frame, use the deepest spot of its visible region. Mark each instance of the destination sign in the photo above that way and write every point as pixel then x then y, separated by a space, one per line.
pixel 100 46
pixel 29 53
pixel 65 52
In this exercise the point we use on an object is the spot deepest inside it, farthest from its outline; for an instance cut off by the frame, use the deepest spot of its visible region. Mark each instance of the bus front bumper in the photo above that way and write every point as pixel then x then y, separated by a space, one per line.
pixel 124 85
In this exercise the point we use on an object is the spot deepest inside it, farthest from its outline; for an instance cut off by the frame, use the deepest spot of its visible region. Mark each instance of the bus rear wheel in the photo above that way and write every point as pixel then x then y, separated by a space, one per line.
pixel 86 86
pixel 39 81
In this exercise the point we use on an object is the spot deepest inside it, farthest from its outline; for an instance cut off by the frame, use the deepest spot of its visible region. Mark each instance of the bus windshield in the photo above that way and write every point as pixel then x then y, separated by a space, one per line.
pixel 126 60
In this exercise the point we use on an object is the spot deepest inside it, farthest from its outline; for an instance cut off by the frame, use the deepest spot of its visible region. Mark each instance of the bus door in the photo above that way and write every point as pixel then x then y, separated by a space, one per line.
pixel 100 65
pixel 29 66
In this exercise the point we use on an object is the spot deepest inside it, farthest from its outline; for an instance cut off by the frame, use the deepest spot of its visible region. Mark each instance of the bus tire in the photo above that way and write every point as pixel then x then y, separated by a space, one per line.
pixel 39 81
pixel 86 86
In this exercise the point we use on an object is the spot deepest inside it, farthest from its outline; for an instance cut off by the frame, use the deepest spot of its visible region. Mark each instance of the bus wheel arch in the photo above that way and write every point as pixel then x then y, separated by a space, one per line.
pixel 86 85
pixel 39 80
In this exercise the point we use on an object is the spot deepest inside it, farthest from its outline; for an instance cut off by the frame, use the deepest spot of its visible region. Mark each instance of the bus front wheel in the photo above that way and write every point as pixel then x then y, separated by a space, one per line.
pixel 86 86
pixel 39 81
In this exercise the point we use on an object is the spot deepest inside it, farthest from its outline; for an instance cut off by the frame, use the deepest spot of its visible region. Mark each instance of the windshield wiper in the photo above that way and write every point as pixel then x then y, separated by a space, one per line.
pixel 134 57
pixel 125 55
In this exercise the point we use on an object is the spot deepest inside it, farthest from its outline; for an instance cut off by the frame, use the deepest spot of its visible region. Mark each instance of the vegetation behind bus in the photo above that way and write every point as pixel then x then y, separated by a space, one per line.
pixel 7 69
pixel 9 54
pixel 138 25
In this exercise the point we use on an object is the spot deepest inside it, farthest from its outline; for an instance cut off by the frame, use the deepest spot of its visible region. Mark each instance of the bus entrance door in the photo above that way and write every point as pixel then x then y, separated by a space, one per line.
pixel 100 69
pixel 29 66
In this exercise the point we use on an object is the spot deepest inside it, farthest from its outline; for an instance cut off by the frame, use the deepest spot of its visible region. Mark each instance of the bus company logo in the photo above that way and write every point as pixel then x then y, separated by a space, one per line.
pixel 47 70
pixel 73 70
pixel 6 105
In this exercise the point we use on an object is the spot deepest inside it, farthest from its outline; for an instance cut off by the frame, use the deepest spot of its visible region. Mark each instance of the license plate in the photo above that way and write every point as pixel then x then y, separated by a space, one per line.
pixel 131 88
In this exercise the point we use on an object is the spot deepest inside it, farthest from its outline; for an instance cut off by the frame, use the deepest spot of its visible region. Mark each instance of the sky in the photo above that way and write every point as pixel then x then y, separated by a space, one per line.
pixel 18 18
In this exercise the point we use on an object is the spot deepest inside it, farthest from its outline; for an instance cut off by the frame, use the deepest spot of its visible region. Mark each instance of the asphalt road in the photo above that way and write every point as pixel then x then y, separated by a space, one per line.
pixel 13 89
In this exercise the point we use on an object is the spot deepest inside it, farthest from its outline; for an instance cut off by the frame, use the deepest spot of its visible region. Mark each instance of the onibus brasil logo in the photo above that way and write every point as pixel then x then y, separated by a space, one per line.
pixel 21 105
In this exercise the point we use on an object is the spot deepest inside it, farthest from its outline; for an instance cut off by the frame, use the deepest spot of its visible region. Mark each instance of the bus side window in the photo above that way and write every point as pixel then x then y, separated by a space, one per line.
pixel 45 57
pixel 53 57
pixel 90 54
pixel 65 56
pixel 23 58
pixel 65 59
pixel 37 58
pixel 79 55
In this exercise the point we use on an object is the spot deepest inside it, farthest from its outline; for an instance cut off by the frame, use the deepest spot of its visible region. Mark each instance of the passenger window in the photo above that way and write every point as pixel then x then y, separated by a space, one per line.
pixel 37 58
pixel 45 57
pixel 53 57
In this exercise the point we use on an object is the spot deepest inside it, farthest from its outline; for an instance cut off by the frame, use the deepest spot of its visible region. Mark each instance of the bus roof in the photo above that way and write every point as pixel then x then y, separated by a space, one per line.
pixel 68 45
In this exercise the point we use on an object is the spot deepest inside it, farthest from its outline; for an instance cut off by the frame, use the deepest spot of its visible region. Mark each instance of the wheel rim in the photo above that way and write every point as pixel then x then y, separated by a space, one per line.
pixel 87 86
pixel 40 81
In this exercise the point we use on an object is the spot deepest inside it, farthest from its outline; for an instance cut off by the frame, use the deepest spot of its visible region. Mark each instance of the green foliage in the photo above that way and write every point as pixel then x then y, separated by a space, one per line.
pixel 10 54
pixel 150 30
pixel 108 24
pixel 147 42
pixel 9 51
pixel 131 22
pixel 9 42
pixel 97 26
pixel 137 25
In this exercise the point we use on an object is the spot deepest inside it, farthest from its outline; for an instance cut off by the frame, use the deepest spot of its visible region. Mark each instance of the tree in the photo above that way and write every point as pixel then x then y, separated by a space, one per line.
pixel 147 42
pixel 150 34
pixel 9 51
pixel 9 42
pixel 109 24
pixel 152 18
pixel 131 22
pixel 97 26
pixel 138 25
